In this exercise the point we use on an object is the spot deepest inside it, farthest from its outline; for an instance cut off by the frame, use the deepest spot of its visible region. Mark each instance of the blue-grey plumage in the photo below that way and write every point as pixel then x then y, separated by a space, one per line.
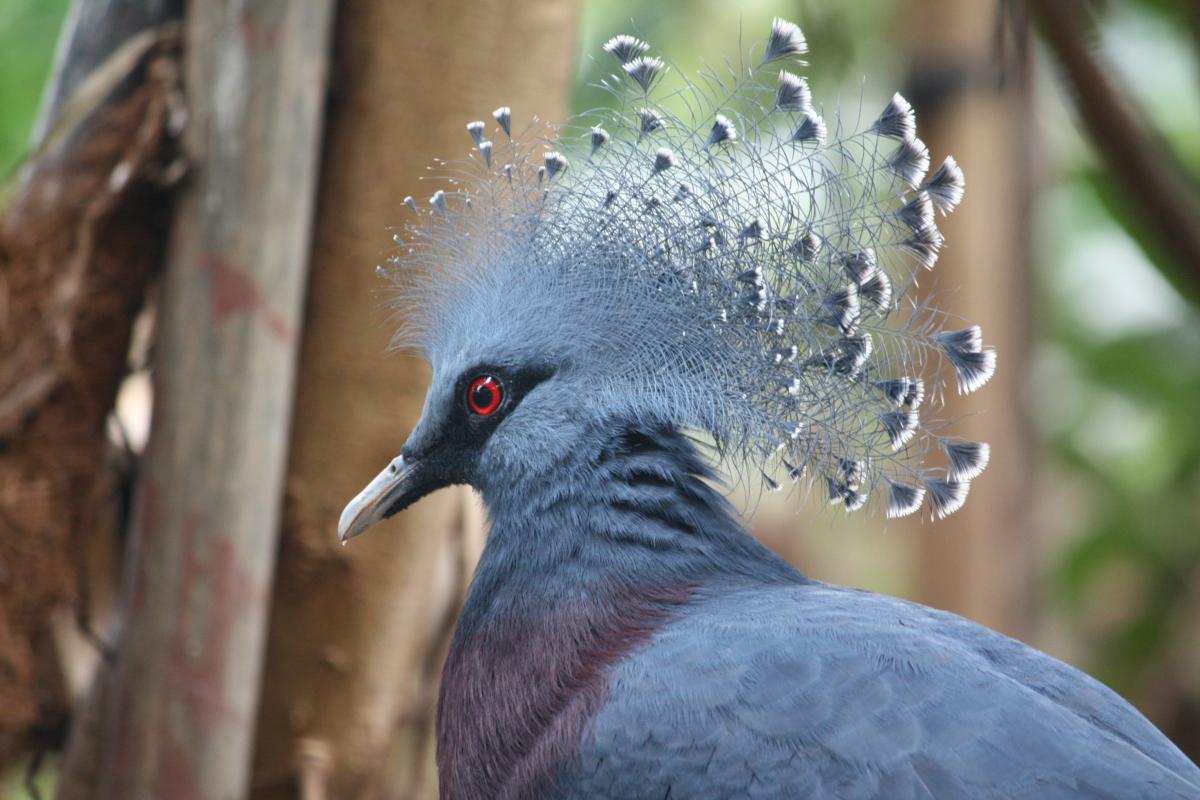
pixel 746 273
pixel 818 691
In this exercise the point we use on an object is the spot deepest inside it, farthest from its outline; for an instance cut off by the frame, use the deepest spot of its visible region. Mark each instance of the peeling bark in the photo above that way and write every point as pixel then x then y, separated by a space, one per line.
pixel 79 244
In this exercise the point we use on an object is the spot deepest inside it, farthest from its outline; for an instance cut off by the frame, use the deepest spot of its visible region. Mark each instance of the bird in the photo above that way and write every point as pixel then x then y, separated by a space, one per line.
pixel 713 283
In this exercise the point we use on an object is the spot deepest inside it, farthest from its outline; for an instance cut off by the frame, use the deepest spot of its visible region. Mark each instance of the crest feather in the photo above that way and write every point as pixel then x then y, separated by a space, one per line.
pixel 745 267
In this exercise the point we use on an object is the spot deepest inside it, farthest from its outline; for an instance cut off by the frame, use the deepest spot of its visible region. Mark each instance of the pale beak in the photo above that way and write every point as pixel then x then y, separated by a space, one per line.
pixel 390 491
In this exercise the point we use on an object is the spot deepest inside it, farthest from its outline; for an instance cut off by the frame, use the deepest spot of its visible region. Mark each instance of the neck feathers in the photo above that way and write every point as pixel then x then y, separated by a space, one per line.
pixel 517 693
pixel 578 573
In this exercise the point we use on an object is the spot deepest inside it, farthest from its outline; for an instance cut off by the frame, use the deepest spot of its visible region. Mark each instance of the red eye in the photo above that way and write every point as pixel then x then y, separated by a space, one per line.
pixel 484 395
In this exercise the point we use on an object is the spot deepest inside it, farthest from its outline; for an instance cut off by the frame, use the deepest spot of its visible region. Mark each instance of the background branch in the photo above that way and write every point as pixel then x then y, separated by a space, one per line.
pixel 1153 187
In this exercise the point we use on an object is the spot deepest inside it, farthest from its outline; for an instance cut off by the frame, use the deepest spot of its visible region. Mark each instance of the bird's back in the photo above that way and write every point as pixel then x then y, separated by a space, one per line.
pixel 822 692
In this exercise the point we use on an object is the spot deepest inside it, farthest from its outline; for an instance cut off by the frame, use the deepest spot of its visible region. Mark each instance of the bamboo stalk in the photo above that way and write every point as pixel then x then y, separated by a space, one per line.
pixel 180 712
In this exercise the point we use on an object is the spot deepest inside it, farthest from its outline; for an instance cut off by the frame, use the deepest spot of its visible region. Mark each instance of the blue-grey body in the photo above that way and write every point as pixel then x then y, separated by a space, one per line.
pixel 761 682
pixel 817 691
pixel 750 273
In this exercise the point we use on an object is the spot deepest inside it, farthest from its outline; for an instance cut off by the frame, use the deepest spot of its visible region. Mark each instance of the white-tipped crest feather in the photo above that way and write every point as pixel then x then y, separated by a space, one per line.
pixel 793 93
pixel 786 39
pixel 739 269
pixel 625 48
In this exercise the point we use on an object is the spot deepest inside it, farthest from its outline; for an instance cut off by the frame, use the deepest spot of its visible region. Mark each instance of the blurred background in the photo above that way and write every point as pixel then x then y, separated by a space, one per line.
pixel 194 375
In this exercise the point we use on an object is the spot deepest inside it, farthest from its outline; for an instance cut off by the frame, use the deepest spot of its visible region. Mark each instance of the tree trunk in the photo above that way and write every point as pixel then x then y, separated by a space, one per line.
pixel 970 87
pixel 178 717
pixel 79 243
pixel 356 632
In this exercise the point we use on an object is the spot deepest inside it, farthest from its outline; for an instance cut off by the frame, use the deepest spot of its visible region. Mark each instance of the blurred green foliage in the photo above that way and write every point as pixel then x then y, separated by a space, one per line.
pixel 16 783
pixel 28 31
pixel 1117 393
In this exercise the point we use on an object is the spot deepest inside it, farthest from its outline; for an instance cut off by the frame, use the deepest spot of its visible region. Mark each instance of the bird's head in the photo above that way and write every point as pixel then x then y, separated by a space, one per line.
pixel 480 416
pixel 746 270
pixel 528 373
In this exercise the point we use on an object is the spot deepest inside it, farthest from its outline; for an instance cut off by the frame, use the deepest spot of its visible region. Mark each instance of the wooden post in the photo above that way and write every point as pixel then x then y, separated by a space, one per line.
pixel 178 722
pixel 355 631
pixel 969 85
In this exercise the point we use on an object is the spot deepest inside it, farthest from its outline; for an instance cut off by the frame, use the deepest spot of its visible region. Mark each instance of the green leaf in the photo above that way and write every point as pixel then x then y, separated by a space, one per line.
pixel 1119 204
